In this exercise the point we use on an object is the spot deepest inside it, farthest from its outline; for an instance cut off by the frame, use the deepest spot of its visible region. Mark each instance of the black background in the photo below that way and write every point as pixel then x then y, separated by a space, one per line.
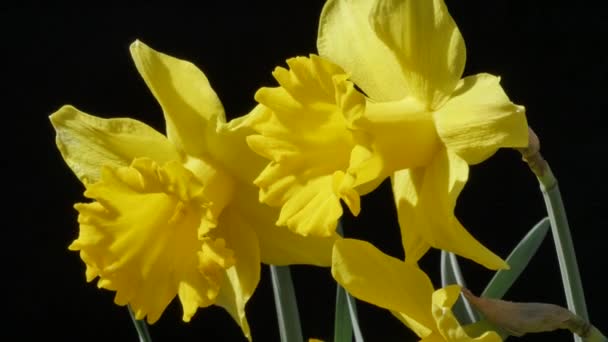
pixel 552 59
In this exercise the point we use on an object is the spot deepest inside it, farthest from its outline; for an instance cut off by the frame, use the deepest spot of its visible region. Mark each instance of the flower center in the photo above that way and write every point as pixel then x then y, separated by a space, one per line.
pixel 404 132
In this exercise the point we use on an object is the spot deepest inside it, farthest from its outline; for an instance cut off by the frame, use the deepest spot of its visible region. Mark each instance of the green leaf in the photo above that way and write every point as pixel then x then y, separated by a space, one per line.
pixel 343 329
pixel 518 260
pixel 451 274
pixel 286 304
pixel 345 321
pixel 352 309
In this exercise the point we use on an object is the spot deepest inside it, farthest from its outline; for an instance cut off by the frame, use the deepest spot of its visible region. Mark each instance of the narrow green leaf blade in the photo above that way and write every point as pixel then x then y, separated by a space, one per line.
pixel 518 260
pixel 451 274
pixel 352 308
pixel 343 329
pixel 286 304
pixel 346 322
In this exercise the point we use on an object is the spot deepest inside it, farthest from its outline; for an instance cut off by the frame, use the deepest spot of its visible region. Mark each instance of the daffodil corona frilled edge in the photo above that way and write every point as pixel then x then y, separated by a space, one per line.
pixel 415 120
pixel 175 215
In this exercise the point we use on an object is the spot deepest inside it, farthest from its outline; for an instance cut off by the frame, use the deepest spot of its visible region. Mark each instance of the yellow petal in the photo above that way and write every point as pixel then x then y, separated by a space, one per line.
pixel 418 328
pixel 141 237
pixel 191 107
pixel 304 134
pixel 87 142
pixel 379 279
pixel 425 202
pixel 479 118
pixel 346 38
pixel 279 245
pixel 407 185
pixel 241 279
pixel 427 43
pixel 231 151
pixel 394 135
pixel 447 324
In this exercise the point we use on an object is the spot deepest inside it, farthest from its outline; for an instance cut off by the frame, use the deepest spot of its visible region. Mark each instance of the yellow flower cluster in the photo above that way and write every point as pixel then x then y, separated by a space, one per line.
pixel 192 213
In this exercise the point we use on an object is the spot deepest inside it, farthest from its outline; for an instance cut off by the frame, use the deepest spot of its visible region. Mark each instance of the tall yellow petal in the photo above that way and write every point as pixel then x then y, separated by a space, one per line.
pixel 305 137
pixel 279 245
pixel 141 236
pixel 407 186
pixel 447 324
pixel 426 41
pixel 346 38
pixel 242 278
pixel 479 118
pixel 426 199
pixel 191 107
pixel 87 142
pixel 377 278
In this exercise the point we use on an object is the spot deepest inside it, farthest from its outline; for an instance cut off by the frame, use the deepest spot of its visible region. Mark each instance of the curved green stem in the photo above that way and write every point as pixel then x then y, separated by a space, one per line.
pixel 575 296
pixel 140 326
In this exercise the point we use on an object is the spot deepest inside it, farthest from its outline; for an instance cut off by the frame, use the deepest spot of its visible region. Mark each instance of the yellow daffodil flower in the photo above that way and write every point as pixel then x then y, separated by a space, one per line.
pixel 175 215
pixel 402 288
pixel 423 125
pixel 418 122
pixel 305 136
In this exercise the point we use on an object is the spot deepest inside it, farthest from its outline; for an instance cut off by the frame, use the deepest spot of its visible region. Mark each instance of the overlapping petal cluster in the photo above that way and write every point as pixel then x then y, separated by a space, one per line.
pixel 385 98
pixel 415 121
pixel 191 214
pixel 175 215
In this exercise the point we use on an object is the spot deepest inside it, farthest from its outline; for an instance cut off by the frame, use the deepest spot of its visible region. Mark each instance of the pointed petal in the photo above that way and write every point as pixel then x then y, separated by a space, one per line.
pixel 479 119
pixel 243 278
pixel 191 107
pixel 379 279
pixel 447 324
pixel 347 39
pixel 304 134
pixel 427 43
pixel 87 142
pixel 279 245
pixel 407 185
pixel 425 201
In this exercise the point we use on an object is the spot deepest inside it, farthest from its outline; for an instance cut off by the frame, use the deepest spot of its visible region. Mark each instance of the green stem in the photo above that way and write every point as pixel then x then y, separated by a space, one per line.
pixel 575 296
pixel 573 287
pixel 140 326
pixel 286 304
